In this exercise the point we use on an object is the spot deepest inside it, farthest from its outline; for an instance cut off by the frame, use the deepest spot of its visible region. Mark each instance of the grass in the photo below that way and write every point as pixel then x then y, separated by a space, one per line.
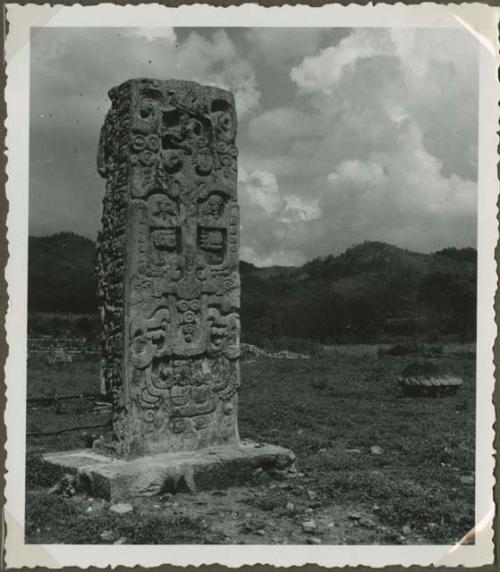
pixel 331 410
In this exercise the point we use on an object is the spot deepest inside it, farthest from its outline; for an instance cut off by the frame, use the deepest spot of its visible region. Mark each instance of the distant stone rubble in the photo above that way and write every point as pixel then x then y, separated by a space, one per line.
pixel 249 351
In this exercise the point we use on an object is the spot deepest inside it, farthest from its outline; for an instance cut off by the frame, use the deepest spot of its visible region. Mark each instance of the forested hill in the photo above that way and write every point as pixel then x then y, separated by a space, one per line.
pixel 61 274
pixel 371 290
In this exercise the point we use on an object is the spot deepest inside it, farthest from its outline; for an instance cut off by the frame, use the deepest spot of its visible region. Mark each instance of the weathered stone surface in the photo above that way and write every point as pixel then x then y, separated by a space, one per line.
pixel 204 469
pixel 170 295
pixel 429 386
pixel 168 267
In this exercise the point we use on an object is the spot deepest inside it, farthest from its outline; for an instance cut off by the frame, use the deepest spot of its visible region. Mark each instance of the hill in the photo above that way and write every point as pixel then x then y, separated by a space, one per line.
pixel 371 291
pixel 61 274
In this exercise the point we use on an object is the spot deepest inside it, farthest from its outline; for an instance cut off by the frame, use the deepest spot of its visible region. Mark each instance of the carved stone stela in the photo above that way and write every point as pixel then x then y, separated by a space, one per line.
pixel 168 266
pixel 169 292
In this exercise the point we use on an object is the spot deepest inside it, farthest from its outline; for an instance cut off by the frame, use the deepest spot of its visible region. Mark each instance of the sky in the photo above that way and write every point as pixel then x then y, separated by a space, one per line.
pixel 345 135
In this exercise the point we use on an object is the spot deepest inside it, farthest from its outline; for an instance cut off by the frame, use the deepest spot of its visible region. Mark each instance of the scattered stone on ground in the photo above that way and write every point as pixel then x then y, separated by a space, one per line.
pixel 406 530
pixel 107 535
pixel 121 540
pixel 354 516
pixel 65 486
pixel 58 356
pixel 367 522
pixel 121 508
pixel 248 350
pixel 309 526
pixel 427 379
pixel 313 540
pixel 376 450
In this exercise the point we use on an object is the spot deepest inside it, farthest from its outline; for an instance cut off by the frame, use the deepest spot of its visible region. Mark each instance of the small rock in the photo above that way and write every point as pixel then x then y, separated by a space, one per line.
pixel 376 450
pixel 309 510
pixel 107 535
pixel 406 530
pixel 121 540
pixel 353 451
pixel 432 526
pixel 54 489
pixel 467 480
pixel 290 507
pixel 354 516
pixel 121 508
pixel 309 526
pixel 261 532
pixel 367 522
pixel 313 540
pixel 312 495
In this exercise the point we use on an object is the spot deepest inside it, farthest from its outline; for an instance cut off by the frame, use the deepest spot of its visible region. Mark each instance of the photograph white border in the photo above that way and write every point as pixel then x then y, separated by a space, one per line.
pixel 480 20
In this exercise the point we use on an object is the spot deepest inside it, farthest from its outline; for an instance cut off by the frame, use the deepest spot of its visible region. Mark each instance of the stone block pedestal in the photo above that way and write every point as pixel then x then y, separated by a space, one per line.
pixel 204 469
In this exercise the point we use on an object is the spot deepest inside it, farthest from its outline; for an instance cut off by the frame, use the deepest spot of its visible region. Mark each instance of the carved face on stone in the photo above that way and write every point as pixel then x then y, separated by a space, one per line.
pixel 172 160
pixel 215 206
pixel 163 211
pixel 203 162
pixel 164 239
pixel 225 124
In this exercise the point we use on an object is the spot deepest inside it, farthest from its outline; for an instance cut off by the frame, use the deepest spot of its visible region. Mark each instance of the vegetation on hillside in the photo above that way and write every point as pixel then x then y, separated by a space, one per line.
pixel 371 292
pixel 61 274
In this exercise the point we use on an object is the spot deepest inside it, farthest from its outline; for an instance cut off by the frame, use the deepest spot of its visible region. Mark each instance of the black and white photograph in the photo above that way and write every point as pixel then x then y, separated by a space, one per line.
pixel 252 298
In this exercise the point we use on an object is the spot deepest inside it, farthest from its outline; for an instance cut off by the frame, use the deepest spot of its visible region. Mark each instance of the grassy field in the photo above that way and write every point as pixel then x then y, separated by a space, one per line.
pixel 416 487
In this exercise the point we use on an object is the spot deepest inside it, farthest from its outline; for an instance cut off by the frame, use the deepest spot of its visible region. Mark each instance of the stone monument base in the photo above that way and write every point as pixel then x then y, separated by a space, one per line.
pixel 212 468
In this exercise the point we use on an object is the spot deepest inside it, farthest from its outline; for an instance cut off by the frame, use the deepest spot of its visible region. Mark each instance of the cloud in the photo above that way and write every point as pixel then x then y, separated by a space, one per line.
pixel 271 227
pixel 280 128
pixel 431 74
pixel 344 135
pixel 152 34
pixel 262 190
pixel 380 143
pixel 322 71
pixel 401 198
pixel 281 45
